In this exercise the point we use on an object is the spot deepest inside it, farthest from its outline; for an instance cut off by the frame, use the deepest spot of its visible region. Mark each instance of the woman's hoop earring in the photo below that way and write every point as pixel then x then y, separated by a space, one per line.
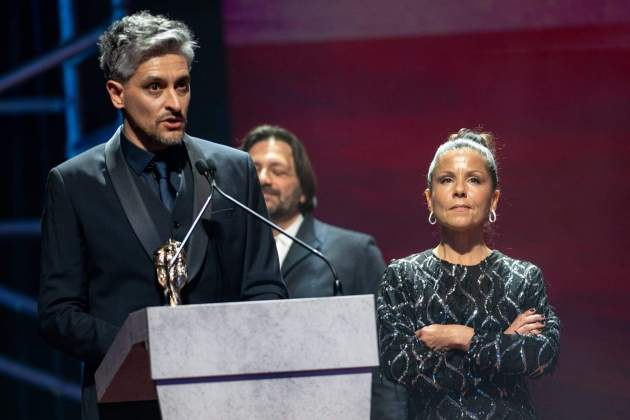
pixel 432 219
pixel 492 217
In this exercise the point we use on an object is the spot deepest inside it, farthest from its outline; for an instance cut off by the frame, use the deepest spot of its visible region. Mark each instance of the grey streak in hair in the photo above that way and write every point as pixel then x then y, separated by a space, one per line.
pixel 130 41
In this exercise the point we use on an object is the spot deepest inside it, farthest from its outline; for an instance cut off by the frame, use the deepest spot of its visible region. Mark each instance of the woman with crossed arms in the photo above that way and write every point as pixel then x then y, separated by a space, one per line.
pixel 463 326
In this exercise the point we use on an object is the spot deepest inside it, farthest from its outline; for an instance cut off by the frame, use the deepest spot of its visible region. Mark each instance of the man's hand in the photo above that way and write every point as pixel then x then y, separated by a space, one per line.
pixel 446 337
pixel 529 322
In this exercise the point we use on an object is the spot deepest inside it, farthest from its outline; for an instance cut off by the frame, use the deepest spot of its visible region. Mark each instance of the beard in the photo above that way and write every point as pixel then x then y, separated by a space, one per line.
pixel 151 136
pixel 285 208
pixel 169 141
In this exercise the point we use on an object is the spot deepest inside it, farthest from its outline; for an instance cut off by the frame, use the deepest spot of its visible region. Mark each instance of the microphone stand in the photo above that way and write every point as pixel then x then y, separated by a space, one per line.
pixel 192 227
pixel 337 289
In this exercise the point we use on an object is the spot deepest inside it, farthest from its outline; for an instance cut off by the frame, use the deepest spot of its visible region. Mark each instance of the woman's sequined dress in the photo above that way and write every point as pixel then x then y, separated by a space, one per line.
pixel 489 380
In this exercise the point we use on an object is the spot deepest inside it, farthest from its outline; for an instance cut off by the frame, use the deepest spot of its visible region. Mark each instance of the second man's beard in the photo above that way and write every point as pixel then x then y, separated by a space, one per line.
pixel 285 209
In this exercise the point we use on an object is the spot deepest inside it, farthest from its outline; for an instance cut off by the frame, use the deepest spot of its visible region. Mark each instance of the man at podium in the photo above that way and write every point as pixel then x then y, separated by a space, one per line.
pixel 109 209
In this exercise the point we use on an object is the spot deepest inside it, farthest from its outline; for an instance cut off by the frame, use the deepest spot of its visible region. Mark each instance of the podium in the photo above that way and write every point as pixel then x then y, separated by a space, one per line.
pixel 279 359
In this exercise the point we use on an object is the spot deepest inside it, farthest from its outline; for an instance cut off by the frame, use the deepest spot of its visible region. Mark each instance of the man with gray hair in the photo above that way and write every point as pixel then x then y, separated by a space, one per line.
pixel 109 209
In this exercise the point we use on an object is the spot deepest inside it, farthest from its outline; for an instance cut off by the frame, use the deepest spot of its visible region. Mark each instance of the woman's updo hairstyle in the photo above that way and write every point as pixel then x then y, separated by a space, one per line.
pixel 482 142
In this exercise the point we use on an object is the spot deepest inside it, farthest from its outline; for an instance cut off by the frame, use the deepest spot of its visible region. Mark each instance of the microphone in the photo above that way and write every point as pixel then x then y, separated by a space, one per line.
pixel 209 176
pixel 208 170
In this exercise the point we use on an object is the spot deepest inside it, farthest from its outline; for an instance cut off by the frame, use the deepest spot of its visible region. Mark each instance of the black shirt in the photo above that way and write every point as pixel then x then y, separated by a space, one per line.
pixel 141 163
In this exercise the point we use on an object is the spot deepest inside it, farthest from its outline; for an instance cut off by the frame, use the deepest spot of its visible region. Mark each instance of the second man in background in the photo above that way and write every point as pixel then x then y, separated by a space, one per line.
pixel 289 185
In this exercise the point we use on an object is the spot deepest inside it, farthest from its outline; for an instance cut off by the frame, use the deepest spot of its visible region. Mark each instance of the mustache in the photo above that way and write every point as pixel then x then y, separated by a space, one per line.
pixel 173 116
pixel 266 189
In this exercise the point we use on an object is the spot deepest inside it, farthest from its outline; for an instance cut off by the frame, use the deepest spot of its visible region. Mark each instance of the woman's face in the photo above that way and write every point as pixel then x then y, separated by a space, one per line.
pixel 461 194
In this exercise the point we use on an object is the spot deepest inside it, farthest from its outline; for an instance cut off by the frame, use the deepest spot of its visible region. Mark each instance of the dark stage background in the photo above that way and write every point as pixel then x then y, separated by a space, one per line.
pixel 372 88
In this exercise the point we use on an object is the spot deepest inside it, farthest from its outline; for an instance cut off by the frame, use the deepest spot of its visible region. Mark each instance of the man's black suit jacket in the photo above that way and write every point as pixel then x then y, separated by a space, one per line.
pixel 359 265
pixel 101 226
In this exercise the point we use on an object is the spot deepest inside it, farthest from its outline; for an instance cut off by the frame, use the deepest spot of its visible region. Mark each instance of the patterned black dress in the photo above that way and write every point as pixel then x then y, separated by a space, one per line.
pixel 488 381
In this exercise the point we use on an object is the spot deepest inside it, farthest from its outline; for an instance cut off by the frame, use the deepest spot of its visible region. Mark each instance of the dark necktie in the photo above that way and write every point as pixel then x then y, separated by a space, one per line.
pixel 167 194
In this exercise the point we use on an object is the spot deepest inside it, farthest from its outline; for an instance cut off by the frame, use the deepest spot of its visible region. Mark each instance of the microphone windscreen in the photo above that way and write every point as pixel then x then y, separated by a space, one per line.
pixel 206 168
pixel 202 167
pixel 212 168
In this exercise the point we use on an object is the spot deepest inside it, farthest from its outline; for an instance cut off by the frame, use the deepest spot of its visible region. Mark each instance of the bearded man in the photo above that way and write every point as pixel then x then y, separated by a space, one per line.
pixel 289 185
pixel 109 209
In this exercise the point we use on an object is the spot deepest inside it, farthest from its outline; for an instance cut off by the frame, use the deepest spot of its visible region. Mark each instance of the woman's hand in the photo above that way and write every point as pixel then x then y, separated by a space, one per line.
pixel 446 337
pixel 529 322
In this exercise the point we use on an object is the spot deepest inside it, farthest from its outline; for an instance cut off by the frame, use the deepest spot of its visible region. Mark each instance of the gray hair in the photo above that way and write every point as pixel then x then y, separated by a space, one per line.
pixel 481 142
pixel 130 41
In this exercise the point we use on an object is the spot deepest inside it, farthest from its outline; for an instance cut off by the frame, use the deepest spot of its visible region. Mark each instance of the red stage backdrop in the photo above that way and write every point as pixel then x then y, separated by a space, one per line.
pixel 372 90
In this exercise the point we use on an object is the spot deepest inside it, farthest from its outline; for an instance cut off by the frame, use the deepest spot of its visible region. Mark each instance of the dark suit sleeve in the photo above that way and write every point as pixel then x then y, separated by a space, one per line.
pixel 389 399
pixel 261 271
pixel 63 296
pixel 373 267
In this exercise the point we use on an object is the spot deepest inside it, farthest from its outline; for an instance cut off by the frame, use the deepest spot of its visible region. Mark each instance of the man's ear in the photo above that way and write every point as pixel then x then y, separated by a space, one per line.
pixel 116 92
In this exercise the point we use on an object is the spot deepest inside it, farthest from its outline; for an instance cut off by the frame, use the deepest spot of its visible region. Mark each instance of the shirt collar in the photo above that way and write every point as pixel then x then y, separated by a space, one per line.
pixel 139 159
pixel 283 243
pixel 292 229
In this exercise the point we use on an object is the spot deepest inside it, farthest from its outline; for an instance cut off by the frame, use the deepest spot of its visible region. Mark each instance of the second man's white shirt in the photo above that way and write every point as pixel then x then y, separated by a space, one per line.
pixel 283 243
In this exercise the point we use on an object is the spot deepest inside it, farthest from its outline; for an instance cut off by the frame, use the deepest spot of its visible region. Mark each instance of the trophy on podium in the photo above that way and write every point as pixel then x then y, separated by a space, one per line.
pixel 172 272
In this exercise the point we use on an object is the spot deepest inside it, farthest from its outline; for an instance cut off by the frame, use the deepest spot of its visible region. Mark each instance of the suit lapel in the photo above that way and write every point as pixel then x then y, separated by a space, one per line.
pixel 198 242
pixel 129 196
pixel 296 252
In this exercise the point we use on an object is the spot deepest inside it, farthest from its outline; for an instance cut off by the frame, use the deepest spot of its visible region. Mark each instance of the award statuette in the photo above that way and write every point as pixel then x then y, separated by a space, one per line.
pixel 174 276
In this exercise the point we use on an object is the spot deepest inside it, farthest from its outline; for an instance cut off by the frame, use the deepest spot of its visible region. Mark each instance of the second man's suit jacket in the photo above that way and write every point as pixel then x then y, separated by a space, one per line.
pixel 354 255
pixel 359 265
